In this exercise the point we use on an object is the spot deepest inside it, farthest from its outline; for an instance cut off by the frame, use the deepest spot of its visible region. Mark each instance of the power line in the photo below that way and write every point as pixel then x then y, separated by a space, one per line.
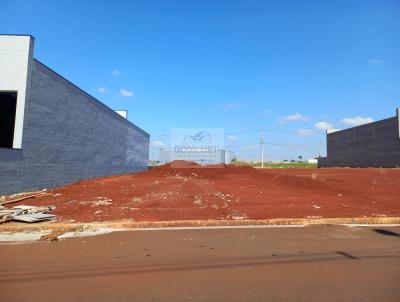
pixel 262 143
pixel 276 144
pixel 240 132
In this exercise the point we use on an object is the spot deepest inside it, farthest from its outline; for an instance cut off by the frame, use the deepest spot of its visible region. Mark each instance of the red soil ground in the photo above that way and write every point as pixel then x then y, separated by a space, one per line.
pixel 228 192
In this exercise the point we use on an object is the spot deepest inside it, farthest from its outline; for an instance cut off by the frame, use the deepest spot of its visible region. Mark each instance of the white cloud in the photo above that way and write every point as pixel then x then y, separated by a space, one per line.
pixel 232 138
pixel 231 106
pixel 115 73
pixel 375 61
pixel 304 132
pixel 357 120
pixel 102 90
pixel 293 118
pixel 124 92
pixel 324 126
pixel 158 144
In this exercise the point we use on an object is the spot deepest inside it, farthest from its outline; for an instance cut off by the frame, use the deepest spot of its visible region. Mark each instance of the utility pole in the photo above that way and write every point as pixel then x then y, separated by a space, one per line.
pixel 262 142
pixel 320 147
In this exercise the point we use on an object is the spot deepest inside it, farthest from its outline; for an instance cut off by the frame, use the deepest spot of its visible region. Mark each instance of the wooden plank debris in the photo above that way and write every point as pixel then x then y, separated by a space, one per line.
pixel 24 196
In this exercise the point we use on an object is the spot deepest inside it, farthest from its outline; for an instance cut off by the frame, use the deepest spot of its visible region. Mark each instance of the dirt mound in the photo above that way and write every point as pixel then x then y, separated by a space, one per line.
pixel 178 164
pixel 186 168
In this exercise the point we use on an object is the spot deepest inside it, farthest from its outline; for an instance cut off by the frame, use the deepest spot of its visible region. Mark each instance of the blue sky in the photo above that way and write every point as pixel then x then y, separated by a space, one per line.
pixel 289 67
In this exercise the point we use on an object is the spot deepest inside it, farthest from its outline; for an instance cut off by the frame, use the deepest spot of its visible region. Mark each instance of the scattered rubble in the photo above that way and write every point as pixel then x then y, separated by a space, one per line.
pixel 24 213
pixel 316 205
pixel 237 216
pixel 53 236
pixel 100 201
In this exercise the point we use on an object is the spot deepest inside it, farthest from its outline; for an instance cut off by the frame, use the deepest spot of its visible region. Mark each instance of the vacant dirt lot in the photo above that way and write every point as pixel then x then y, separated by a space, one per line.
pixel 228 192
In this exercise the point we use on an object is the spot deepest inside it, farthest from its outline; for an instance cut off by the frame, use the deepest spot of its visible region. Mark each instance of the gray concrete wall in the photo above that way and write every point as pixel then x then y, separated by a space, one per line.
pixel 372 145
pixel 67 136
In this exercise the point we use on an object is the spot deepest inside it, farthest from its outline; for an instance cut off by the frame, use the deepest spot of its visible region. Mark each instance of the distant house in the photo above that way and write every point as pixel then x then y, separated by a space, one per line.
pixel 375 144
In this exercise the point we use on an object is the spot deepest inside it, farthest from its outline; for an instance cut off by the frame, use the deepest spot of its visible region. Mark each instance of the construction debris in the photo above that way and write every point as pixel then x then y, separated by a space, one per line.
pixel 34 217
pixel 25 213
pixel 316 205
pixel 23 196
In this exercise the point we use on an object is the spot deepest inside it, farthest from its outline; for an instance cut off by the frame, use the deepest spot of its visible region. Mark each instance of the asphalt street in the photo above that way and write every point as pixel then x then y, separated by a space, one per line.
pixel 318 263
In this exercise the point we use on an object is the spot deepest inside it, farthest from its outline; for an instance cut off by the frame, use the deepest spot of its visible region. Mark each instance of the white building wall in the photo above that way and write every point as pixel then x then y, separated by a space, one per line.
pixel 123 113
pixel 15 57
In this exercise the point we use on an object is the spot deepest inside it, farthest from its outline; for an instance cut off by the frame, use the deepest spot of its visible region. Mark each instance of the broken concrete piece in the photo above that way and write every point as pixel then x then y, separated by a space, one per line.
pixel 35 217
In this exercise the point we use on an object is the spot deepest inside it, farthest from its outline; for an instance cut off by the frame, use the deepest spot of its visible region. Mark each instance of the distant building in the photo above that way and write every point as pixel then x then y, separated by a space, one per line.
pixel 224 157
pixel 164 156
pixel 52 132
pixel 229 157
pixel 375 144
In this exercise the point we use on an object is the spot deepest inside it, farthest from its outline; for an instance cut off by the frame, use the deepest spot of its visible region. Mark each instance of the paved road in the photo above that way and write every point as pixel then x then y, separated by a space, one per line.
pixel 320 263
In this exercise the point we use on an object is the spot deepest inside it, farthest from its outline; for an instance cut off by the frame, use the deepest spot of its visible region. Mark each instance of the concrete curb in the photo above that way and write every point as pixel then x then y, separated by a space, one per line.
pixel 56 226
